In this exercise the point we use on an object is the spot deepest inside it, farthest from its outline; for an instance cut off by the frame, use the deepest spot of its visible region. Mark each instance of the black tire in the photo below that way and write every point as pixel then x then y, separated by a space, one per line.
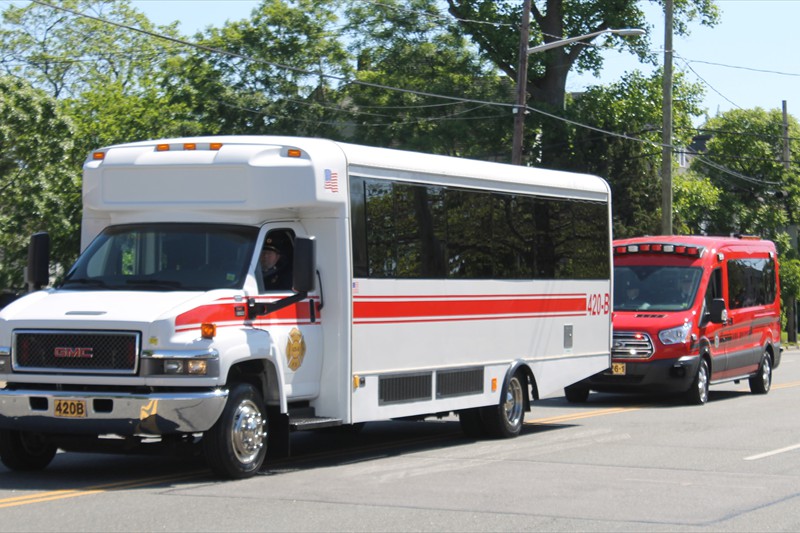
pixel 576 393
pixel 471 423
pixel 235 447
pixel 505 419
pixel 22 450
pixel 698 392
pixel 762 381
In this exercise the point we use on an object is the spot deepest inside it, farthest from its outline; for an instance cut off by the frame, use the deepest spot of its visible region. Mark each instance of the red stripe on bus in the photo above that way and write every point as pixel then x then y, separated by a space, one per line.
pixel 226 312
pixel 463 309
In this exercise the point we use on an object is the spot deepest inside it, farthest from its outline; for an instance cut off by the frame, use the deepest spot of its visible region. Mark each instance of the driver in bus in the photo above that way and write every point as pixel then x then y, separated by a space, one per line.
pixel 276 271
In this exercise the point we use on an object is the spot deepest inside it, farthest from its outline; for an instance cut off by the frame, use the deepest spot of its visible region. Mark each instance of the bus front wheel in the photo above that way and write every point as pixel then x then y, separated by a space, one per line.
pixel 235 447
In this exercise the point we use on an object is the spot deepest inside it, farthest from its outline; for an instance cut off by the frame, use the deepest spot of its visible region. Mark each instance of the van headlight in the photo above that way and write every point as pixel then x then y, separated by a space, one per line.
pixel 676 335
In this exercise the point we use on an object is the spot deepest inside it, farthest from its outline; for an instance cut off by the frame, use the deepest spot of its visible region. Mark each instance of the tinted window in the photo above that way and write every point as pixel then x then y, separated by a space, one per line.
pixel 655 287
pixel 165 257
pixel 403 230
pixel 751 282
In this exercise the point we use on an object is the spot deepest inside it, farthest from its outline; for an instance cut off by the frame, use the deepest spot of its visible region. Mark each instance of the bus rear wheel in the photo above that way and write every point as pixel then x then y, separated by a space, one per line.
pixel 505 419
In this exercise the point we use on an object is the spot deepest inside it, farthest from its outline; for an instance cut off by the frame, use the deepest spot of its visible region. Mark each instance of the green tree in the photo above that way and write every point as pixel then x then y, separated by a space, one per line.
pixel 406 45
pixel 695 203
pixel 39 185
pixel 790 291
pixel 268 74
pixel 743 158
pixel 552 20
pixel 632 108
pixel 102 60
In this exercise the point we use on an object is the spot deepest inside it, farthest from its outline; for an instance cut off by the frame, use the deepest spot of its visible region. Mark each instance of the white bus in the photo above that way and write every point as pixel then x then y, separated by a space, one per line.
pixel 407 285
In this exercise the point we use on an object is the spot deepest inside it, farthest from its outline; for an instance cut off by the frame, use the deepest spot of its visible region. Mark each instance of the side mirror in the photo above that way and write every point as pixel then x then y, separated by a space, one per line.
pixel 37 275
pixel 305 264
pixel 717 313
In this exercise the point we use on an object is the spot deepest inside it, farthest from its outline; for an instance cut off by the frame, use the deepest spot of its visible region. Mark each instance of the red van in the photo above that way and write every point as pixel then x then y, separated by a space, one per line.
pixel 690 312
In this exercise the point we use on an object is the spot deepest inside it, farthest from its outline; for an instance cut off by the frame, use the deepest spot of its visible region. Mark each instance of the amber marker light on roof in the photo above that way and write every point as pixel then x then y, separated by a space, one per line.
pixel 189 146
pixel 162 148
pixel 215 146
pixel 98 156
pixel 294 152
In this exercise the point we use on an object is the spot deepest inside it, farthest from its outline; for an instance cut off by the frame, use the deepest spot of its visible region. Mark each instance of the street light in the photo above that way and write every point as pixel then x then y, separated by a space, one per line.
pixel 522 75
pixel 625 32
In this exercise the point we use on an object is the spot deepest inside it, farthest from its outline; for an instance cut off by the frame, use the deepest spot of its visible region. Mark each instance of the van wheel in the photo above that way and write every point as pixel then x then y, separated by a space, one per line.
pixel 698 392
pixel 576 393
pixel 235 447
pixel 505 419
pixel 762 381
pixel 24 450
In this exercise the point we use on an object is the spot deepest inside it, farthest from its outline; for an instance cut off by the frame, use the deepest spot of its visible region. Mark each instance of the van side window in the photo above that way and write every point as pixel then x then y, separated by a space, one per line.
pixel 714 289
pixel 751 282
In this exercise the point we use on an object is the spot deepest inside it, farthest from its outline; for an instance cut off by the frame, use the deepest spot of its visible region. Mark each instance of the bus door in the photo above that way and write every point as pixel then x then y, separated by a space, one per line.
pixel 295 330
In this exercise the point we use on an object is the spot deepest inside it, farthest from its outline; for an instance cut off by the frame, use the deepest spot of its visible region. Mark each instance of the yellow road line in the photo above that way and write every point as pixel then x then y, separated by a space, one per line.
pixel 787 385
pixel 577 416
pixel 97 489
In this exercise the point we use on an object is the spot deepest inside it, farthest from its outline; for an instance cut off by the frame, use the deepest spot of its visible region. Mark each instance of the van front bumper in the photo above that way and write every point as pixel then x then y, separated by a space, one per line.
pixel 117 413
pixel 657 376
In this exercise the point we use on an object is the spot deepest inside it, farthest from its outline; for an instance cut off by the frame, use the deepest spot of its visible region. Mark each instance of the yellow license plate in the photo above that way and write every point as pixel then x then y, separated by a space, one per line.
pixel 70 408
pixel 618 369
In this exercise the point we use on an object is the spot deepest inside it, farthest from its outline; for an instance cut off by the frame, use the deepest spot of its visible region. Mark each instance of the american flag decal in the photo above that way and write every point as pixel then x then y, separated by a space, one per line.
pixel 331 181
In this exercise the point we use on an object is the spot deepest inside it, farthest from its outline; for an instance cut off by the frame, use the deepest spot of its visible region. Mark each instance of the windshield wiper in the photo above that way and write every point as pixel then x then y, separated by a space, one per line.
pixel 150 283
pixel 85 281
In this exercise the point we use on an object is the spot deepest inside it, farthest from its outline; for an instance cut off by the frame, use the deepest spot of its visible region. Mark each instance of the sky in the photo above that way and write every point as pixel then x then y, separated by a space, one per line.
pixel 750 59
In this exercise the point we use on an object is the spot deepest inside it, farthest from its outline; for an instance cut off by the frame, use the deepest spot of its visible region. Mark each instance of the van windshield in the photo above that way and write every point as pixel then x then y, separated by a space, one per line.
pixel 655 288
pixel 165 257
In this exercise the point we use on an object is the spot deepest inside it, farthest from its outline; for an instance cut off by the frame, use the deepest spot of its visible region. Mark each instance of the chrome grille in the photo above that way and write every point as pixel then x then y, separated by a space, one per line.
pixel 76 352
pixel 631 345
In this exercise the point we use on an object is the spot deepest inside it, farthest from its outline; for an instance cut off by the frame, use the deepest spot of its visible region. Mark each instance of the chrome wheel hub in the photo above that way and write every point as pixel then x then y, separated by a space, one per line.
pixel 248 434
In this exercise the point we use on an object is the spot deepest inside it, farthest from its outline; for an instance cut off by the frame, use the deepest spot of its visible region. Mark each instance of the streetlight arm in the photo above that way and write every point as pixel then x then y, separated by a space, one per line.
pixel 564 42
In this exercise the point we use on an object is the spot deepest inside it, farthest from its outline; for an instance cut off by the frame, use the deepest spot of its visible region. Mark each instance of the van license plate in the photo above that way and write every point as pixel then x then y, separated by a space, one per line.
pixel 70 408
pixel 618 369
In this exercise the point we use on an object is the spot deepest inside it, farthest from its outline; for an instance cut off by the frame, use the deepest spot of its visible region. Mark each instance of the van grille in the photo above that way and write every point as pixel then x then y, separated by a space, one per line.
pixel 631 345
pixel 76 352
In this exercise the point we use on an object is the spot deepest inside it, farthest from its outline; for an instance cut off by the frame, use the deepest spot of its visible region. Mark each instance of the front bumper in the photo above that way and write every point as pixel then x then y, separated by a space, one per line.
pixel 116 413
pixel 657 376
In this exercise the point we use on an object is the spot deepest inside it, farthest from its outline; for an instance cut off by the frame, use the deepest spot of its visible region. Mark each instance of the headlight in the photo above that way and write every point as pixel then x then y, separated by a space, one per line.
pixel 676 335
pixel 197 367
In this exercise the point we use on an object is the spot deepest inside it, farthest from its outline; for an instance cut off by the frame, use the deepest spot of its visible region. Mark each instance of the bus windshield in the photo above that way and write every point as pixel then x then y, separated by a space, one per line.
pixel 655 287
pixel 165 257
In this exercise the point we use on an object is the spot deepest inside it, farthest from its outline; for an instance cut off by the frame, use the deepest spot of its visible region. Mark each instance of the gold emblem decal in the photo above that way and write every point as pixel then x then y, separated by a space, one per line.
pixel 295 349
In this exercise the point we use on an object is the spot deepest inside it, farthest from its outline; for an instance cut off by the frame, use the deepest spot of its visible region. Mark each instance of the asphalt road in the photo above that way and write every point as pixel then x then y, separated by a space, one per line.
pixel 616 463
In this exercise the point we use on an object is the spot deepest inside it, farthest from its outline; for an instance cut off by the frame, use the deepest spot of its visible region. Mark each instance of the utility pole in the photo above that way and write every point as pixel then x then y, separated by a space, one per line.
pixel 522 85
pixel 666 132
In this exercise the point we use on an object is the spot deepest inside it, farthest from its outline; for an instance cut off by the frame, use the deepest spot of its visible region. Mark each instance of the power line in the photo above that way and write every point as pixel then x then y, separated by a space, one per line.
pixel 345 80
